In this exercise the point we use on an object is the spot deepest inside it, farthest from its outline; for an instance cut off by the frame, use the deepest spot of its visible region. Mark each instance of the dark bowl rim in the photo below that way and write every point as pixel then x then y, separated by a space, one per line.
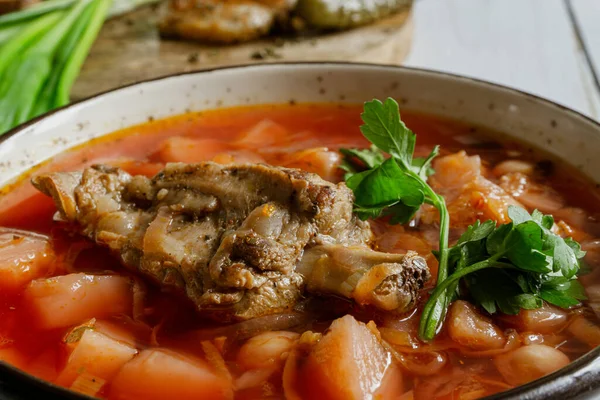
pixel 576 379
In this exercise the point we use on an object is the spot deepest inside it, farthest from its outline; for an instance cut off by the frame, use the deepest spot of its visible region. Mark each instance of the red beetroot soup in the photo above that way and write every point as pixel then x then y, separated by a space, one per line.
pixel 71 314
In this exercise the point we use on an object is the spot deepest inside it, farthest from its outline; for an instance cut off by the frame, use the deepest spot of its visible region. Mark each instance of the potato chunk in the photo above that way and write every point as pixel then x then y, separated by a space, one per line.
pixel 23 256
pixel 158 374
pixel 469 328
pixel 70 299
pixel 183 149
pixel 347 363
pixel 96 355
pixel 266 350
pixel 528 363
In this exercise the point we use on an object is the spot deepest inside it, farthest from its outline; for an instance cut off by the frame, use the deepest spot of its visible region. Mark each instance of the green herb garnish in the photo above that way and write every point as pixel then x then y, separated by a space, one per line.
pixel 508 267
pixel 397 186
pixel 42 50
pixel 514 266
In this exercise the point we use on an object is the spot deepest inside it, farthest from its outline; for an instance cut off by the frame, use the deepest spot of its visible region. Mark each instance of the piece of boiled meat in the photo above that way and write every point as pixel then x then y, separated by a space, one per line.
pixel 221 21
pixel 240 240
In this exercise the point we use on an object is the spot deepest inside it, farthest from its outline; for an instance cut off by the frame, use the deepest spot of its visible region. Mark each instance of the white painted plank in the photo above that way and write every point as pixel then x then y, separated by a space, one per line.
pixel 526 44
pixel 587 14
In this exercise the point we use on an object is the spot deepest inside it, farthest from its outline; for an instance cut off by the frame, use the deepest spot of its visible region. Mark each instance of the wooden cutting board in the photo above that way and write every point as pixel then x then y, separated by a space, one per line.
pixel 130 50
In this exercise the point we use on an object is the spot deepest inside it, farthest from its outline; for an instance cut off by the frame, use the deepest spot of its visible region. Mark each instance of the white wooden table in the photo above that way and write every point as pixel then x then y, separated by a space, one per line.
pixel 550 48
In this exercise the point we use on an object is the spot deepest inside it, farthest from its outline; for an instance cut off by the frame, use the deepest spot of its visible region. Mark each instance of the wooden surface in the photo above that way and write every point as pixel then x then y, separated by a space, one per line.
pixel 547 47
pixel 531 45
pixel 129 50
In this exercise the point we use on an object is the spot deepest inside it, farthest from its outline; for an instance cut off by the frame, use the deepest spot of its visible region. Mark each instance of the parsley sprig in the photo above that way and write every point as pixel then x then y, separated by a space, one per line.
pixel 508 267
pixel 513 266
pixel 397 186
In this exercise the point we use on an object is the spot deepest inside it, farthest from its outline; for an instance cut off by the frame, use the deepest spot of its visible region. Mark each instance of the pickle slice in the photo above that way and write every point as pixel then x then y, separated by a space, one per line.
pixel 342 14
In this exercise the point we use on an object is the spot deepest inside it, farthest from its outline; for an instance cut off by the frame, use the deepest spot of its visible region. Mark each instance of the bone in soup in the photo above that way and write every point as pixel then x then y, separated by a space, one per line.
pixel 298 251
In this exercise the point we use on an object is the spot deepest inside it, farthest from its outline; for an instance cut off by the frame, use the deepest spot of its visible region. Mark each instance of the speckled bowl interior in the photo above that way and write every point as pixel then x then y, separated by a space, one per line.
pixel 540 123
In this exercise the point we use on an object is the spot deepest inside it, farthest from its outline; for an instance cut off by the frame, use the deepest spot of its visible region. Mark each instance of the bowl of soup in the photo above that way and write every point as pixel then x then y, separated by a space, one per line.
pixel 301 231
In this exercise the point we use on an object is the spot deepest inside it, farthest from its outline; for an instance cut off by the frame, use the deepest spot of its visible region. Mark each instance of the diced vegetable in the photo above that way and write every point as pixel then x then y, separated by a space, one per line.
pixel 546 319
pixel 265 133
pixel 254 378
pixel 266 349
pixel 97 355
pixel 512 167
pixel 23 256
pixel 70 299
pixel 133 167
pixel 471 329
pixel 320 161
pixel 456 170
pixel 161 374
pixel 123 330
pixel 585 330
pixel 72 338
pixel 528 363
pixel 347 363
pixel 181 149
pixel 392 384
pixel 87 384
pixel 238 157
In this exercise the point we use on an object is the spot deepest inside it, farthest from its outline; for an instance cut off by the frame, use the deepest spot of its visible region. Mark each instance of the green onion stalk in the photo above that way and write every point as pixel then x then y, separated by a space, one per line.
pixel 42 53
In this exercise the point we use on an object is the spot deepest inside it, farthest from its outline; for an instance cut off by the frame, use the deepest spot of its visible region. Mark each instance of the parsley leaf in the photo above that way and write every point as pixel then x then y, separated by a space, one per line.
pixel 422 166
pixel 513 266
pixel 565 294
pixel 396 187
pixel 504 268
pixel 358 160
pixel 385 186
pixel 367 159
pixel 477 232
pixel 384 128
pixel 498 290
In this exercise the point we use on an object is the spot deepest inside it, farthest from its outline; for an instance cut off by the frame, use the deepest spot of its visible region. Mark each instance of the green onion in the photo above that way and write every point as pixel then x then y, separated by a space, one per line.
pixel 8 32
pixel 46 100
pixel 42 50
pixel 34 11
pixel 10 50
pixel 77 56
pixel 124 6
pixel 30 70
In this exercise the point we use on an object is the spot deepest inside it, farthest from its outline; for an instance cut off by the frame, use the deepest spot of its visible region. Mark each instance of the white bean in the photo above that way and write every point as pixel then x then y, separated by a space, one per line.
pixel 511 166
pixel 528 363
pixel 266 349
pixel 546 319
pixel 471 329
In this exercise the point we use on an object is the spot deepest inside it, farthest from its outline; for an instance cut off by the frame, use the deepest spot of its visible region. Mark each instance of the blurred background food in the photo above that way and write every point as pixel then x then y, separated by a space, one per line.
pixel 229 21
pixel 183 35
pixel 546 47
pixel 55 50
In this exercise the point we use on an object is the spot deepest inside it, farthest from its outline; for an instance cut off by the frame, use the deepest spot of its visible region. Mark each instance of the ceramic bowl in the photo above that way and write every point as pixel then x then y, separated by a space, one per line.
pixel 564 133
